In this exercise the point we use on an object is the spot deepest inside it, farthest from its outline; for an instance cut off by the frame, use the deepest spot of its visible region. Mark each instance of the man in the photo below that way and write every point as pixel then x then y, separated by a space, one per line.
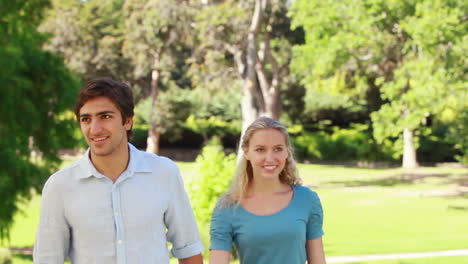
pixel 116 205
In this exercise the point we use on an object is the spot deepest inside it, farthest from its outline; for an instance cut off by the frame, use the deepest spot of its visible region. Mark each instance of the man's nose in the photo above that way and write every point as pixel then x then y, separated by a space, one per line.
pixel 95 127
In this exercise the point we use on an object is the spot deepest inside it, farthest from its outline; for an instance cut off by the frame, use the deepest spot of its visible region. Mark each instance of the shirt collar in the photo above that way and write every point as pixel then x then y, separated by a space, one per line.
pixel 137 163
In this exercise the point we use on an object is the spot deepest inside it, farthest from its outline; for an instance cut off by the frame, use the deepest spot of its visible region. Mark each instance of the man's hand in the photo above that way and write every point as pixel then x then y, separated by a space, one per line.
pixel 197 259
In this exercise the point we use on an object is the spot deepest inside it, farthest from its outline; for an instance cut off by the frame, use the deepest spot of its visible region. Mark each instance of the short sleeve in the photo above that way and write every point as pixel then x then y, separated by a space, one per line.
pixel 315 222
pixel 180 221
pixel 221 230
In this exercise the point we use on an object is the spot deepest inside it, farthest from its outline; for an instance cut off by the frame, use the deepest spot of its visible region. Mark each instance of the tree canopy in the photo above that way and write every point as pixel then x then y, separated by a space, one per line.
pixel 409 53
pixel 36 90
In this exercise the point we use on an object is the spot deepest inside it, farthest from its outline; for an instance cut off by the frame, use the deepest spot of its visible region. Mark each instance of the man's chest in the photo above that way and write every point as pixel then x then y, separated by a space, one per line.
pixel 107 207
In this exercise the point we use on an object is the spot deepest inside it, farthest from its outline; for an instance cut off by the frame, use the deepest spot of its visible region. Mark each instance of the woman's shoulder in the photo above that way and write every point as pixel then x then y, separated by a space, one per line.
pixel 307 198
pixel 305 192
pixel 225 205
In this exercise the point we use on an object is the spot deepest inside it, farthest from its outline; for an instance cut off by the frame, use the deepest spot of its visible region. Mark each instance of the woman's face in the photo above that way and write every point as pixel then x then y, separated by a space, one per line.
pixel 267 152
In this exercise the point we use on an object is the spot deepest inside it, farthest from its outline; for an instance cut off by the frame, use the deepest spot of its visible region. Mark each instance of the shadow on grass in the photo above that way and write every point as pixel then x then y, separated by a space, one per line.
pixel 405 178
pixel 23 256
pixel 460 181
pixel 458 208
pixel 392 180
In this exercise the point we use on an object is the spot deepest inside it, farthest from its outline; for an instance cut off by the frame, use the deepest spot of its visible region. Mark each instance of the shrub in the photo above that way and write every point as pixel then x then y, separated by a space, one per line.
pixel 214 171
pixel 437 138
pixel 140 134
pixel 342 144
pixel 212 127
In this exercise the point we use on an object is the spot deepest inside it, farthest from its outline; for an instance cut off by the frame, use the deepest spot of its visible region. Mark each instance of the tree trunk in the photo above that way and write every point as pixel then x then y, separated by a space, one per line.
pixel 409 151
pixel 152 142
pixel 250 96
pixel 270 83
pixel 272 102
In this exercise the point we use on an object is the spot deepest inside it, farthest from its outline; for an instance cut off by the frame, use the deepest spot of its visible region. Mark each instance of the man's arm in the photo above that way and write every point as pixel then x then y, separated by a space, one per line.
pixel 53 234
pixel 197 259
pixel 182 230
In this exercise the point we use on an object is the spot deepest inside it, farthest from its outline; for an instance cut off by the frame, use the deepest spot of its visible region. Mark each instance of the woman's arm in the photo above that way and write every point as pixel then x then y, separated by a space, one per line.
pixel 219 256
pixel 315 254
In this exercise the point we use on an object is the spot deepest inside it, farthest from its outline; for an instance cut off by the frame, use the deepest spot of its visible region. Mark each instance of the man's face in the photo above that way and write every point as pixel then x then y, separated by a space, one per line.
pixel 102 126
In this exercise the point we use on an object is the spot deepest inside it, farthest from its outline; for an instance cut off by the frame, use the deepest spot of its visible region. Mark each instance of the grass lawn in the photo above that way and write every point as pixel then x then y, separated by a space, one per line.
pixel 434 260
pixel 367 211
pixel 386 211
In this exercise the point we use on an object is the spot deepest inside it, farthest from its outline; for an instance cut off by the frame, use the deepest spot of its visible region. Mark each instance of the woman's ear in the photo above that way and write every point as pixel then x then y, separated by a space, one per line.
pixel 246 154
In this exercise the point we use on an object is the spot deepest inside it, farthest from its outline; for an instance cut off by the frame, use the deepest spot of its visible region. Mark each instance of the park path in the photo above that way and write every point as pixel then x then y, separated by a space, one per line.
pixel 358 258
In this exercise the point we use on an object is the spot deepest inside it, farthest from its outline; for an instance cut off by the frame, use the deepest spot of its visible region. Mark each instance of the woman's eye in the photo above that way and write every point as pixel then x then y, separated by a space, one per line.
pixel 259 149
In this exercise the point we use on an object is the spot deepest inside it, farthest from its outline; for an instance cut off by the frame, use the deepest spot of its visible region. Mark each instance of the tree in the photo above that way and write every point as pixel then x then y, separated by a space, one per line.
pixel 154 37
pixel 405 50
pixel 254 39
pixel 36 89
pixel 89 35
pixel 173 107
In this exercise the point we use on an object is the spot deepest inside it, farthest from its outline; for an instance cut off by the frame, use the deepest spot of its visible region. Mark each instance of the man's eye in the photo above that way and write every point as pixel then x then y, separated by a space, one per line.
pixel 106 116
pixel 84 119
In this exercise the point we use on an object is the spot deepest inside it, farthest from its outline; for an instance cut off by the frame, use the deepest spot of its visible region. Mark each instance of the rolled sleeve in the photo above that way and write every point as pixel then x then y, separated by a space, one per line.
pixel 188 251
pixel 180 221
pixel 220 230
pixel 53 234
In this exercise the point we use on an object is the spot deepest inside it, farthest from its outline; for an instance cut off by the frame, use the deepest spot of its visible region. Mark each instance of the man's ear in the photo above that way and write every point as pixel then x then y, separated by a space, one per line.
pixel 128 123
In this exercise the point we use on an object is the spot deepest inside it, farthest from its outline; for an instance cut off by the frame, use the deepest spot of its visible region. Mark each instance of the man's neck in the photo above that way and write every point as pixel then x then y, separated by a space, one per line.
pixel 112 166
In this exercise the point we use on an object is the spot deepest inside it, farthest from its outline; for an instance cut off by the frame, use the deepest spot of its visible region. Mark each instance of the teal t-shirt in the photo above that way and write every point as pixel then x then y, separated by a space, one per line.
pixel 270 239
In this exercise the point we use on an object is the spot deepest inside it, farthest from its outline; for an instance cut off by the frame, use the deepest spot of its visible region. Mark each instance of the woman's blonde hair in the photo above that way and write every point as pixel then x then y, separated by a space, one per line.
pixel 244 175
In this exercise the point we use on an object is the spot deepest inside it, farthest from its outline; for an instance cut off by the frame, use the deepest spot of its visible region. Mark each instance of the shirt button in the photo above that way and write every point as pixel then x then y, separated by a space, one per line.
pixel 116 213
pixel 119 242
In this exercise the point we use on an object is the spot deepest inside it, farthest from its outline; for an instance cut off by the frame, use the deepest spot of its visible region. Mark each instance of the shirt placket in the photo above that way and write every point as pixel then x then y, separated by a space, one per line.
pixel 120 242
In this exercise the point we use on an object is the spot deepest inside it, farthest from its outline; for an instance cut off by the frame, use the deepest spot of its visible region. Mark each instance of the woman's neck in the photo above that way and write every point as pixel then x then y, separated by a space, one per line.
pixel 267 187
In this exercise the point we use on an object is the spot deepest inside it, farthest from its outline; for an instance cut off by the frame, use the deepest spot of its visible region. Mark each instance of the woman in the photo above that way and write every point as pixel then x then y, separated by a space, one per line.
pixel 266 213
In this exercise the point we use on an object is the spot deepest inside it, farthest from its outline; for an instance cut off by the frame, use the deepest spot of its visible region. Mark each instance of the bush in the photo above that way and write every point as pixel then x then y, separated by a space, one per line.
pixel 5 256
pixel 458 134
pixel 343 144
pixel 214 171
pixel 140 135
pixel 212 127
pixel 435 145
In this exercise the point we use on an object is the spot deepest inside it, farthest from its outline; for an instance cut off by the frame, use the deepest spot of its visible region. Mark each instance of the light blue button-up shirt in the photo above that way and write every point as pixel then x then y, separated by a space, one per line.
pixel 90 219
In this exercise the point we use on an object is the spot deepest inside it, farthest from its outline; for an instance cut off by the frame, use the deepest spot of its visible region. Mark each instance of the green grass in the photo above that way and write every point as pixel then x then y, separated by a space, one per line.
pixel 367 211
pixel 434 260
pixel 386 211
pixel 25 223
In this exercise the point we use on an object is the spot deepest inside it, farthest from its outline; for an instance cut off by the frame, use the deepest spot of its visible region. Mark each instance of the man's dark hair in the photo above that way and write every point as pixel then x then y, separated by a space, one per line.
pixel 118 92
